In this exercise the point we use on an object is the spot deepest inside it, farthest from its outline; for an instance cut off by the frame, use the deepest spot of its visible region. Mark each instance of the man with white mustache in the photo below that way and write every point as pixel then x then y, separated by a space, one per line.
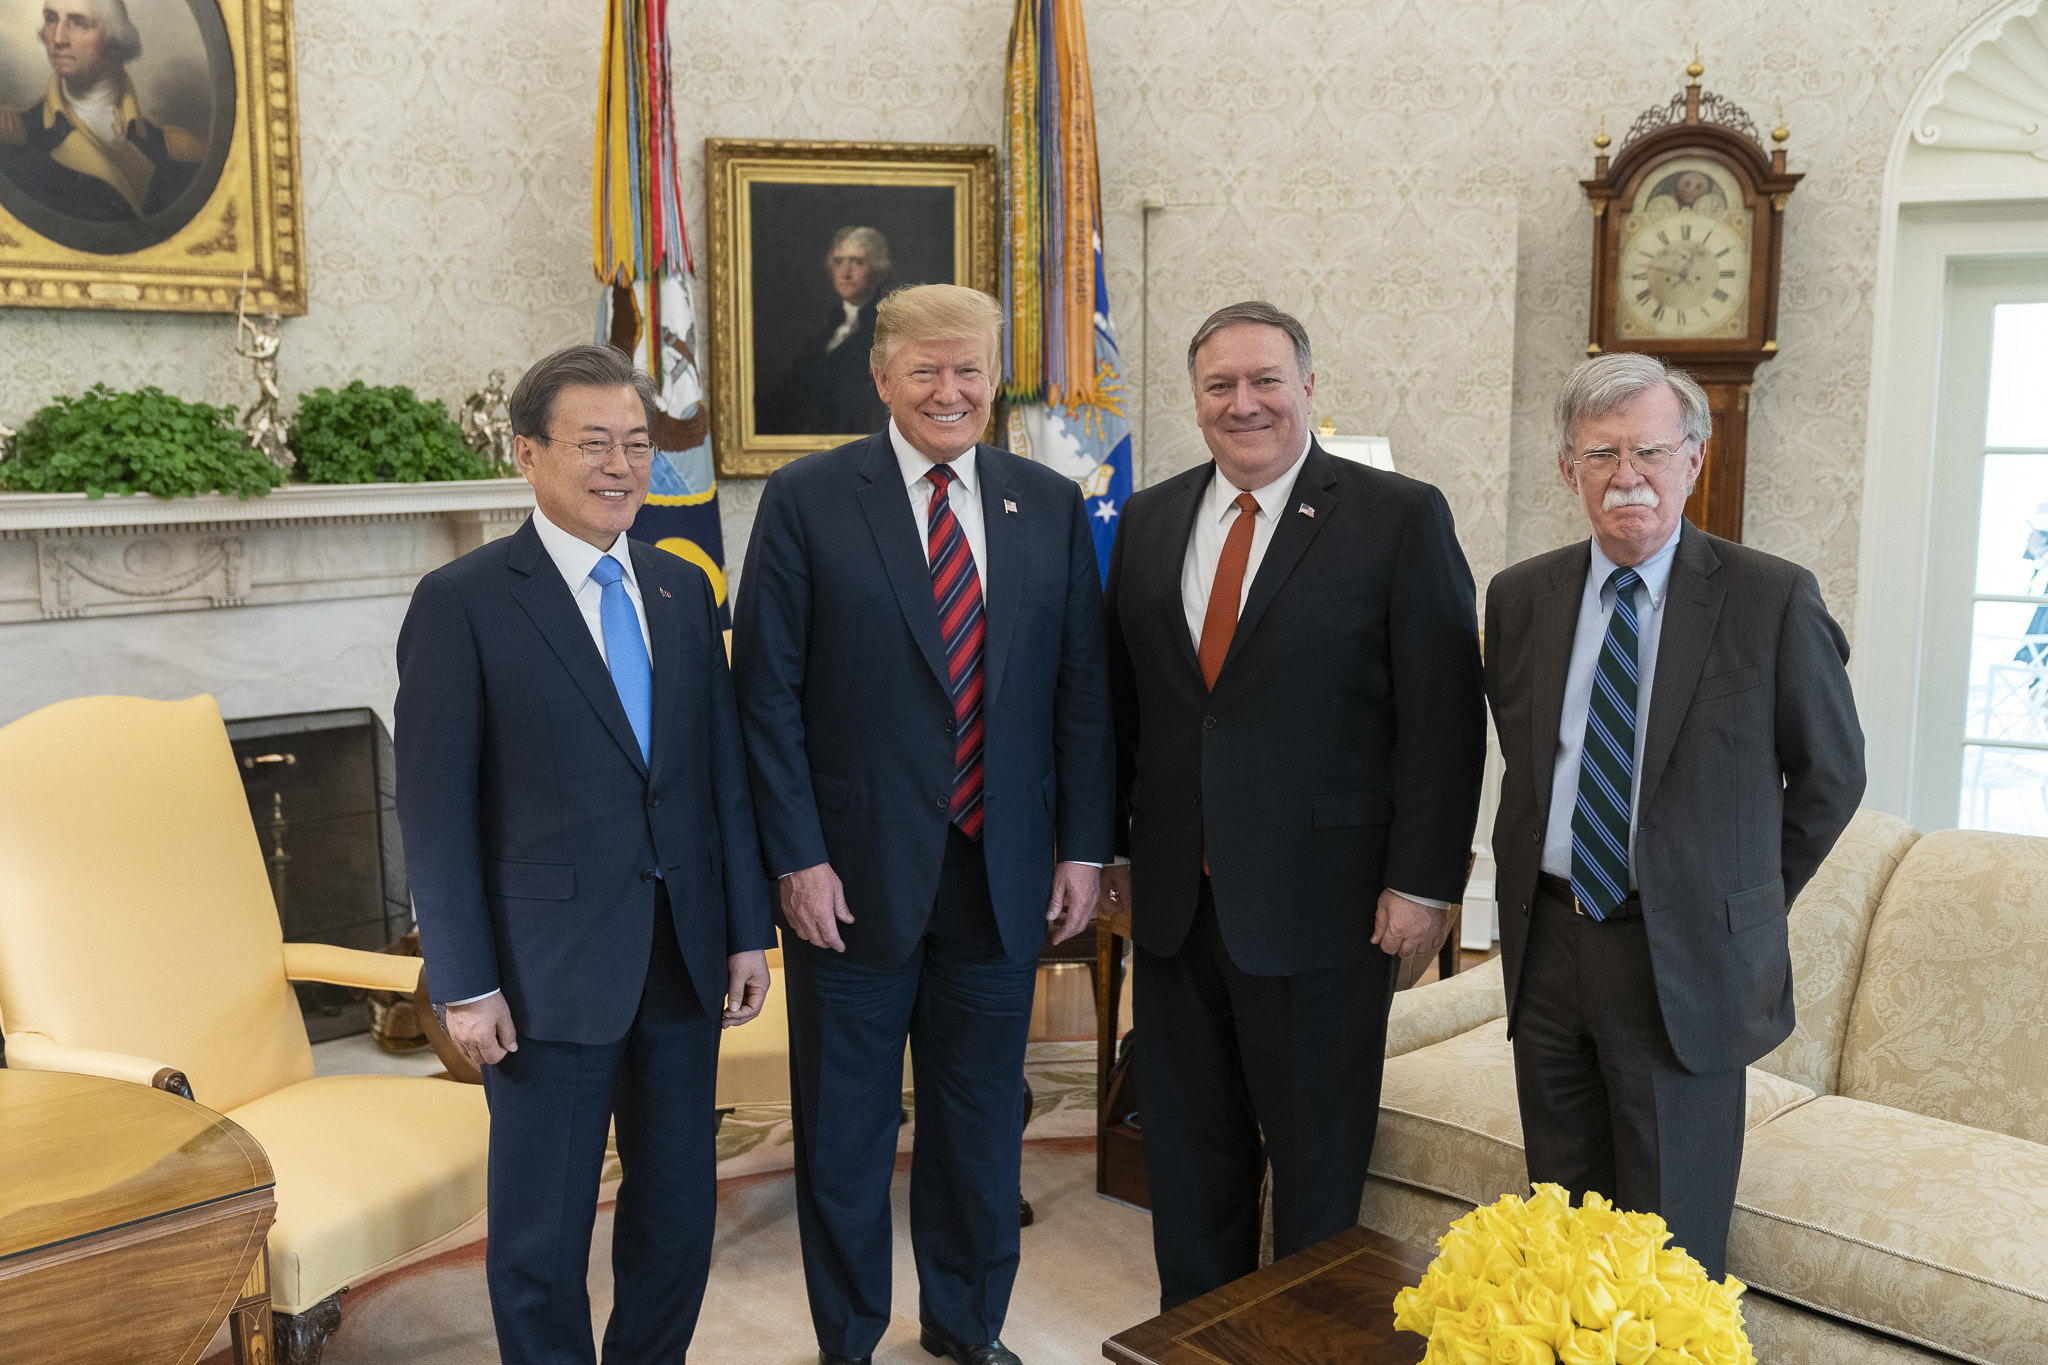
pixel 919 652
pixel 1682 751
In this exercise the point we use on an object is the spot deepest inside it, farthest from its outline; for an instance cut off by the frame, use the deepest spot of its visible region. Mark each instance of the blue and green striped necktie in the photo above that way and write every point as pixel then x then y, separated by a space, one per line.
pixel 1607 762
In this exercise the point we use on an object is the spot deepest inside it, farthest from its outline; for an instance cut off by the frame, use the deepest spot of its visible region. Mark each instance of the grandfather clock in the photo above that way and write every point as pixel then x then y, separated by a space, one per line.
pixel 1688 228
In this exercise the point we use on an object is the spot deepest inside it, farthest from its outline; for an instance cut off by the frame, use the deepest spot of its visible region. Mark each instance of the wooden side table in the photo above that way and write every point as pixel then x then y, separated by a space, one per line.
pixel 132 1222
pixel 1330 1305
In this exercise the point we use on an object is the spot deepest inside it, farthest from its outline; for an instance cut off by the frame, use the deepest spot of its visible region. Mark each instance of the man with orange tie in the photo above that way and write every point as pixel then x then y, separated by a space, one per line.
pixel 919 656
pixel 1294 666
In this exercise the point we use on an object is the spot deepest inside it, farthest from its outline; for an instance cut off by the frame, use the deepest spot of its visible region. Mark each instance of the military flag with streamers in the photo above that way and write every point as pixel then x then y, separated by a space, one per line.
pixel 641 253
pixel 1062 377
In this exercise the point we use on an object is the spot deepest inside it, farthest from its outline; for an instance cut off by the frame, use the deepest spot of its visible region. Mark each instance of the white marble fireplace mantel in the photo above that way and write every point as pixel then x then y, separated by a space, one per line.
pixel 65 556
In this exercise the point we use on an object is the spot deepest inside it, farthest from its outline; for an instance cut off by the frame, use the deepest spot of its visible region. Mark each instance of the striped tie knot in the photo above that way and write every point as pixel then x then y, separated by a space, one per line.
pixel 1602 818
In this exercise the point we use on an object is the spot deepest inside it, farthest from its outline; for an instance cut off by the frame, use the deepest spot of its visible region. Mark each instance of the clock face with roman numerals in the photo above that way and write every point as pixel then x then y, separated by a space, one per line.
pixel 1685 255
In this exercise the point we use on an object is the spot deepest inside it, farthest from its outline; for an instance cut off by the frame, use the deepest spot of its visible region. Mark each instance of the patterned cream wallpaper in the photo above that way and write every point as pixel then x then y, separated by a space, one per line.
pixel 1402 173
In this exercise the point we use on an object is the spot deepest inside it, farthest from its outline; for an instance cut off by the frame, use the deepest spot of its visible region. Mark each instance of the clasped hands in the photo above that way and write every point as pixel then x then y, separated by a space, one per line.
pixel 482 1029
pixel 1400 928
pixel 814 903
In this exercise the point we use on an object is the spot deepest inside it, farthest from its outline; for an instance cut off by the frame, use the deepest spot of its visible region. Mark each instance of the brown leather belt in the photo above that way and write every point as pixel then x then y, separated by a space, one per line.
pixel 1560 890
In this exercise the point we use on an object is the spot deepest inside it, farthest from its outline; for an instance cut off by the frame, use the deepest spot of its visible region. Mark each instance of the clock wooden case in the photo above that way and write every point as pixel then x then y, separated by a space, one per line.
pixel 1688 233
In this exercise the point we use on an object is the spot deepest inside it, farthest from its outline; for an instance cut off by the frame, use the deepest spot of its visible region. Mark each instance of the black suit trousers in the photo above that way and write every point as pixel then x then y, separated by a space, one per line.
pixel 551 1106
pixel 1605 1104
pixel 1224 1058
pixel 965 1008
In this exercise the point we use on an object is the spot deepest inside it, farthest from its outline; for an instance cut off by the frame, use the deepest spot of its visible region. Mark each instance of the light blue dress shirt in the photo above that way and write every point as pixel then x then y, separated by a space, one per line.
pixel 1596 605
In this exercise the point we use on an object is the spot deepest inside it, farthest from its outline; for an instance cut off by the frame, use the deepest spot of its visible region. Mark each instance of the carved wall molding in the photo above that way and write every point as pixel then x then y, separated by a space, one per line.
pixel 1990 91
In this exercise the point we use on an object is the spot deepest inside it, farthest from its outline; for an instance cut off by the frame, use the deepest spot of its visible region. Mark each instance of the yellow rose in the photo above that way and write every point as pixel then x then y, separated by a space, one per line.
pixel 1538 1305
pixel 1587 1348
pixel 1523 1346
pixel 1634 1341
pixel 1415 1308
pixel 1677 1323
pixel 1493 1307
pixel 1643 1298
pixel 1549 1201
pixel 1633 1253
pixel 1720 1344
pixel 1593 1301
pixel 1452 1345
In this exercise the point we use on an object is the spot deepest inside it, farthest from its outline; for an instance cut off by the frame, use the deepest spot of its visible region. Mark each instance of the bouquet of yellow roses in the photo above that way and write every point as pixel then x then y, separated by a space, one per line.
pixel 1538 1282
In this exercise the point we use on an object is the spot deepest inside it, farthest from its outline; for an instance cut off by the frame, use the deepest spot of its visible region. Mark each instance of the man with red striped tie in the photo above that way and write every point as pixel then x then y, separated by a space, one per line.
pixel 919 653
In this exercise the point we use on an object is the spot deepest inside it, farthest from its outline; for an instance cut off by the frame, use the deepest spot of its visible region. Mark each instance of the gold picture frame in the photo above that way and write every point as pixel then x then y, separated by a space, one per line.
pixel 166 217
pixel 775 211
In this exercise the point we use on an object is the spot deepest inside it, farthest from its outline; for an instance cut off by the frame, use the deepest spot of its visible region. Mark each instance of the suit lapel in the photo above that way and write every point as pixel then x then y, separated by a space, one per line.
pixel 1003 583
pixel 1692 608
pixel 545 598
pixel 1179 523
pixel 887 508
pixel 665 640
pixel 1553 622
pixel 1313 490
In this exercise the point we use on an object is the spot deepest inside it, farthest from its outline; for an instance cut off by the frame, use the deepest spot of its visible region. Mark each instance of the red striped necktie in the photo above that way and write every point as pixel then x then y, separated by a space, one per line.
pixel 956 588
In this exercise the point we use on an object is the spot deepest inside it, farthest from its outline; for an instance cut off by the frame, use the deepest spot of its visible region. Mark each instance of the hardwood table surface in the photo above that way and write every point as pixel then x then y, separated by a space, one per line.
pixel 1330 1305
pixel 83 1154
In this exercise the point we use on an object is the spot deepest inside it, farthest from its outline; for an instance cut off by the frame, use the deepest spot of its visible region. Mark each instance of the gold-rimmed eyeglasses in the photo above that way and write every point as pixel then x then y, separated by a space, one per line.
pixel 598 454
pixel 1605 463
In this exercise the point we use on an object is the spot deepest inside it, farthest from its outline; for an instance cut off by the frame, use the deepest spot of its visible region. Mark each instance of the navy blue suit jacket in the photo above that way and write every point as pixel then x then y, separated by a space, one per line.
pixel 532 825
pixel 839 662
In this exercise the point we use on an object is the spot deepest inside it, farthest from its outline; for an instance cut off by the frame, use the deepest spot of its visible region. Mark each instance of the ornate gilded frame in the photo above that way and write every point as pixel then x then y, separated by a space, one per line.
pixel 730 166
pixel 252 224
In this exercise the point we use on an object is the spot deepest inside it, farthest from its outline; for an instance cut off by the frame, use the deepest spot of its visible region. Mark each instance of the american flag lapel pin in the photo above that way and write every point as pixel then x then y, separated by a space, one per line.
pixel 1009 506
pixel 1306 510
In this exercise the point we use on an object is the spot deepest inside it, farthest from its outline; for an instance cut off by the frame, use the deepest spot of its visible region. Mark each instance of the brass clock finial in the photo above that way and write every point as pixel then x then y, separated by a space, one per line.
pixel 1600 139
pixel 1695 70
pixel 1781 132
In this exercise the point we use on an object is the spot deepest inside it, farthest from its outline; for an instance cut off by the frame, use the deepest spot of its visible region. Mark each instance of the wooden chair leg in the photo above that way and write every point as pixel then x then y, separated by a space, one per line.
pixel 1447 960
pixel 302 1337
pixel 249 1320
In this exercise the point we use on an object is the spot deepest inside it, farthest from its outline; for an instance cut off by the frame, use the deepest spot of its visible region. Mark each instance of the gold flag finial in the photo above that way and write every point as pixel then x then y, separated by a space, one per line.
pixel 1695 70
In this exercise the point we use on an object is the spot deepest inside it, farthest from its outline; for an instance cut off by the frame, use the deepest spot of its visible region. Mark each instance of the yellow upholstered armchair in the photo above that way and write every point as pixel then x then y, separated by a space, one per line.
pixel 139 940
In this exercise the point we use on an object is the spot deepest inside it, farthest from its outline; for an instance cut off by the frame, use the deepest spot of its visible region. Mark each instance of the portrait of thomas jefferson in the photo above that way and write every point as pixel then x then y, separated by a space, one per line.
pixel 100 161
pixel 828 386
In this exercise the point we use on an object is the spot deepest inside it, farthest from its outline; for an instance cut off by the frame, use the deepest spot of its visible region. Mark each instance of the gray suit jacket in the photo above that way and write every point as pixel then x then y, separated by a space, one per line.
pixel 1752 766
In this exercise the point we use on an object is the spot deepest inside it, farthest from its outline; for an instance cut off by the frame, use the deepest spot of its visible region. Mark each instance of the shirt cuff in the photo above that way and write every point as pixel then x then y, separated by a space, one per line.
pixel 1081 862
pixel 450 1004
pixel 1423 900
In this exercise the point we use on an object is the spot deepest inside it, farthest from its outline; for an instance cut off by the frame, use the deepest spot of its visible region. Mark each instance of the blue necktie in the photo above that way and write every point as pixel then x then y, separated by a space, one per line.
pixel 625 651
pixel 1607 762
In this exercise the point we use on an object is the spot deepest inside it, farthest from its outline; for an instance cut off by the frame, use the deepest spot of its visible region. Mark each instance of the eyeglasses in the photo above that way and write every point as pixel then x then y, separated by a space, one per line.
pixel 1605 464
pixel 598 454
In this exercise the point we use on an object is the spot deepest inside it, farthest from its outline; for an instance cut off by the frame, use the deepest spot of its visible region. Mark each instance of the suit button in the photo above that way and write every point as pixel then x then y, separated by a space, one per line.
pixel 1536 836
pixel 653 801
pixel 950 727
pixel 647 874
pixel 942 802
pixel 1208 722
pixel 1198 798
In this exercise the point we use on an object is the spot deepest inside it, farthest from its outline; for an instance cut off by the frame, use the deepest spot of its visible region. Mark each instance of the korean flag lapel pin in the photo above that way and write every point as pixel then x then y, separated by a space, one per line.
pixel 1009 506
pixel 663 591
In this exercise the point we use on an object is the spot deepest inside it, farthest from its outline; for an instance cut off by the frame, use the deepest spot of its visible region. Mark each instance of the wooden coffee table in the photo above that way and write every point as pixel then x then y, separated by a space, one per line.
pixel 1330 1305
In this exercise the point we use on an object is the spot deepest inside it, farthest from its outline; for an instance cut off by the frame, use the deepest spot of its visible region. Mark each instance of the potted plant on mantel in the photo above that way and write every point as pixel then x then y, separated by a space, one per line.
pixel 149 442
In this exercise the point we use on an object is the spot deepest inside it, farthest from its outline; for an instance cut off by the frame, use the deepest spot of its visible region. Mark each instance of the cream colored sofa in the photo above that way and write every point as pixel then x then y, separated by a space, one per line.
pixel 1894 1197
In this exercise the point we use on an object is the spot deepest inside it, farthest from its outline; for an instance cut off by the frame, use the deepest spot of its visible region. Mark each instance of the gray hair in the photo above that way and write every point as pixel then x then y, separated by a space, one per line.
pixel 867 239
pixel 1260 313
pixel 123 43
pixel 532 405
pixel 1602 383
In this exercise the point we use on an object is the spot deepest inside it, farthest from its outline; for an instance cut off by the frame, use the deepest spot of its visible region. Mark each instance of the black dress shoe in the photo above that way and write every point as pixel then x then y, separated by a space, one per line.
pixel 827 1358
pixel 994 1353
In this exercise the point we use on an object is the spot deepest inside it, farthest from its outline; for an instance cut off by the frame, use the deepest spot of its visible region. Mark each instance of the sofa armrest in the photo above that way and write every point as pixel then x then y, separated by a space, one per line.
pixel 38 1052
pixel 351 967
pixel 1445 1009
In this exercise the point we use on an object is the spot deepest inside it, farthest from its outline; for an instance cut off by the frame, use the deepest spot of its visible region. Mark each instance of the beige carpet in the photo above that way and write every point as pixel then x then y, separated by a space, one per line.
pixel 1086 1274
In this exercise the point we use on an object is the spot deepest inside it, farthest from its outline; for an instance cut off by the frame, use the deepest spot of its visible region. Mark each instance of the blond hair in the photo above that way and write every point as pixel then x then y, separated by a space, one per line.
pixel 935 312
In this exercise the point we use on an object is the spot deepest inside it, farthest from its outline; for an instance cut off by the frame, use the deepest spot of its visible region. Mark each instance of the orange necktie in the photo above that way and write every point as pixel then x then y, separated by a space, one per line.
pixel 1219 623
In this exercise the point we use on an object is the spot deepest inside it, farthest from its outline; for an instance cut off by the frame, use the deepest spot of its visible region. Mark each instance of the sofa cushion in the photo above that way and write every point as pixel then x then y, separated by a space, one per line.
pixel 1449 1123
pixel 1925 1229
pixel 1829 925
pixel 1950 1019
pixel 1445 1009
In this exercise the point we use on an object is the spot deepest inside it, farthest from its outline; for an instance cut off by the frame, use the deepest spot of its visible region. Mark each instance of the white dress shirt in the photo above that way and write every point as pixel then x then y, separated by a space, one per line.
pixel 1596 606
pixel 1218 513
pixel 964 495
pixel 576 557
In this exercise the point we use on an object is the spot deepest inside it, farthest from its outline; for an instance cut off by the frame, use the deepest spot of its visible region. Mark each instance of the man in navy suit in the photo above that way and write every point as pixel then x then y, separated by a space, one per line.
pixel 573 791
pixel 919 652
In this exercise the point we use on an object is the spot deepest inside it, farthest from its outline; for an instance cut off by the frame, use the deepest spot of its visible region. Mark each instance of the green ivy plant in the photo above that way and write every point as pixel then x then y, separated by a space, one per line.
pixel 147 441
pixel 382 434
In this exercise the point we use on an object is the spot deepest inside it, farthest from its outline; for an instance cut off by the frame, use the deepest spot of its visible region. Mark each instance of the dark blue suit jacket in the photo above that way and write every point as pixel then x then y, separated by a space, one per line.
pixel 532 826
pixel 839 663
